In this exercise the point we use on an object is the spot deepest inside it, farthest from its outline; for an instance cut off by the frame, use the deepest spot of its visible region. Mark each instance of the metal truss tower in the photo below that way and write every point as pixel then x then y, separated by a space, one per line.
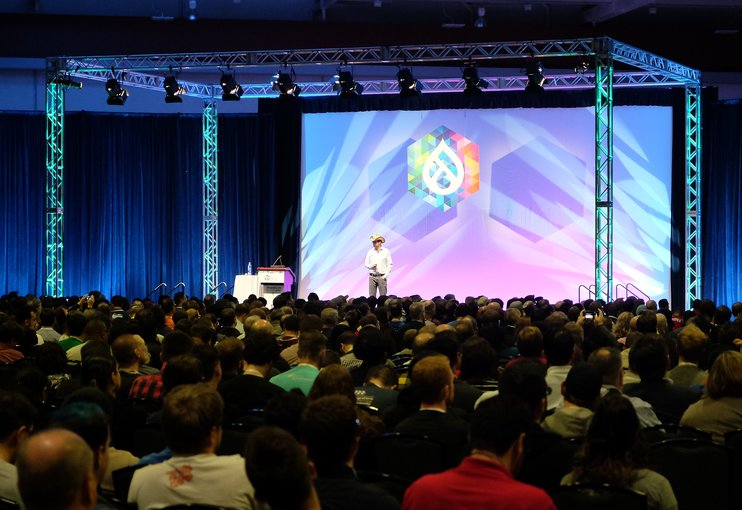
pixel 54 189
pixel 210 199
pixel 692 194
pixel 603 174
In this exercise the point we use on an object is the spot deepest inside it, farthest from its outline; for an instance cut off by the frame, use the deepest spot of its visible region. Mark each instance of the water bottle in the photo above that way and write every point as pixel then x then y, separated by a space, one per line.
pixel 249 268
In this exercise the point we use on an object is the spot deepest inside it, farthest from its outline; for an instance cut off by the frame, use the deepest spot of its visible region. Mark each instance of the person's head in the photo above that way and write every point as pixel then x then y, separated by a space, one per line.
pixel 530 342
pixel 66 475
pixel 370 346
pixel 559 347
pixel 526 381
pixel 648 357
pixel 285 410
pixel 260 349
pixel 183 369
pixel 478 360
pixel 329 317
pixel 432 380
pixel 330 429
pixel 383 376
pixel 691 343
pixel 176 344
pixel 499 426
pixel 76 324
pixel 230 354
pixel 17 416
pixel 582 385
pixel 647 322
pixel 192 418
pixel 130 350
pixel 311 346
pixel 290 323
pixel 608 362
pixel 275 460
pixel 610 452
pixel 333 380
pixel 209 358
pixel 725 376
pixel 101 372
pixel 417 312
pixel 91 423
pixel 47 317
pixel 95 329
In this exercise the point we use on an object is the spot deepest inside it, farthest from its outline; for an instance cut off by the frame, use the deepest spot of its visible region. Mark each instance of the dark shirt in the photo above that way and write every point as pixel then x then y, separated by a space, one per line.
pixel 444 428
pixel 381 398
pixel 245 393
pixel 668 401
pixel 146 387
pixel 341 490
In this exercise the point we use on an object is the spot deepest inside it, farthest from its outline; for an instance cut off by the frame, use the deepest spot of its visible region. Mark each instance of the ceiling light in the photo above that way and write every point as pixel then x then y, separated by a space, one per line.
pixel 231 90
pixel 473 83
pixel 173 90
pixel 480 22
pixel 408 85
pixel 117 95
pixel 536 79
pixel 345 86
pixel 283 83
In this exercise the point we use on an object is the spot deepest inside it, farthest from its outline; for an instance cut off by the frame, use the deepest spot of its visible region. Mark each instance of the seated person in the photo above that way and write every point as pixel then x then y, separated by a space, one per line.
pixel 612 455
pixel 581 391
pixel 330 431
pixel 192 422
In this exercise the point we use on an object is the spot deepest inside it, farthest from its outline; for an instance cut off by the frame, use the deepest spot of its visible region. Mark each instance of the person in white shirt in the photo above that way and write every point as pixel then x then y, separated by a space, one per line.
pixel 191 419
pixel 379 264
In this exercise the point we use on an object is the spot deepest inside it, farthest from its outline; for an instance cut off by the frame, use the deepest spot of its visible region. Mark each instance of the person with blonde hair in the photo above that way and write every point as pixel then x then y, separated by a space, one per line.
pixel 720 410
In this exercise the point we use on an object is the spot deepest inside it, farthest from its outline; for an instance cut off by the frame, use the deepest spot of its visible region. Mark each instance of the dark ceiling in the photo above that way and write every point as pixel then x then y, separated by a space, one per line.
pixel 704 35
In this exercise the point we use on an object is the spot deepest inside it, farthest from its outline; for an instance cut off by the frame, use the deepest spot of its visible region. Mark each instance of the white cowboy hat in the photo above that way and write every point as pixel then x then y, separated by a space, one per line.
pixel 377 237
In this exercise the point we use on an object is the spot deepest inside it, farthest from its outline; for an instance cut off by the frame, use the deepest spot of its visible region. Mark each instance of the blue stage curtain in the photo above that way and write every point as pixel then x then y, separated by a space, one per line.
pixel 247 187
pixel 22 182
pixel 132 203
pixel 721 202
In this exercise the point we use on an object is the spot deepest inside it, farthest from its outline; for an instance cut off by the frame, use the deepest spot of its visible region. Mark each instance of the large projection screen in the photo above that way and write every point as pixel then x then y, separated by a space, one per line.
pixel 482 202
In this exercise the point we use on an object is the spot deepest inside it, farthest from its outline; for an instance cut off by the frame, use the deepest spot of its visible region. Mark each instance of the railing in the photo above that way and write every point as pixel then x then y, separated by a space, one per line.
pixel 627 291
pixel 590 292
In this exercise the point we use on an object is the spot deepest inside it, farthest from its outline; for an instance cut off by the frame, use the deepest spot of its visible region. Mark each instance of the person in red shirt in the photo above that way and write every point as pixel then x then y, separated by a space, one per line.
pixel 485 479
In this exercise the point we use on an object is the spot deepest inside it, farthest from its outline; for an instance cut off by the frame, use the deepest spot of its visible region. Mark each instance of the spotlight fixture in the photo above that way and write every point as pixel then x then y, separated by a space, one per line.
pixel 481 21
pixel 345 86
pixel 231 90
pixel 173 90
pixel 117 95
pixel 474 84
pixel 536 79
pixel 283 83
pixel 408 85
pixel 582 67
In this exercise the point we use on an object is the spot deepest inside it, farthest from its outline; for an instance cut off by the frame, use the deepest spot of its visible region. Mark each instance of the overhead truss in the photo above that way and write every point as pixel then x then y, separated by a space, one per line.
pixel 643 69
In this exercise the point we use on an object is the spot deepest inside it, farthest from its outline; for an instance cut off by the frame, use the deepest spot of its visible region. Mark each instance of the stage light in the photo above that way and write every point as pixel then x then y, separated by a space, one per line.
pixel 345 86
pixel 536 79
pixel 231 90
pixel 117 95
pixel 173 90
pixel 480 22
pixel 283 83
pixel 474 84
pixel 408 85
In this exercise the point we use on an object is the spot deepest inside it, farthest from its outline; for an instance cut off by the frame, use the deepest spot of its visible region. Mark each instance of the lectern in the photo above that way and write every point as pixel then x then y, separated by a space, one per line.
pixel 273 281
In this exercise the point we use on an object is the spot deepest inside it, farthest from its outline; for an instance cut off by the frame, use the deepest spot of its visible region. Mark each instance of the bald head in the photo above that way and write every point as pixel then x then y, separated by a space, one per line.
pixel 261 326
pixel 62 463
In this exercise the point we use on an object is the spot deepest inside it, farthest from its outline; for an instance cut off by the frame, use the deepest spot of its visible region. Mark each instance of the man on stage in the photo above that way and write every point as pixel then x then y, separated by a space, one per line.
pixel 379 264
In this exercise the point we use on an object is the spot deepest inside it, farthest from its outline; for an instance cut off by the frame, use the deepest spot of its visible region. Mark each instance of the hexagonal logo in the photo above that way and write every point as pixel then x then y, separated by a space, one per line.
pixel 443 168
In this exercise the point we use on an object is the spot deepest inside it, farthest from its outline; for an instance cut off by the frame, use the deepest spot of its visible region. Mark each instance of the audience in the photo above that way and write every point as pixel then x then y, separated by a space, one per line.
pixel 434 394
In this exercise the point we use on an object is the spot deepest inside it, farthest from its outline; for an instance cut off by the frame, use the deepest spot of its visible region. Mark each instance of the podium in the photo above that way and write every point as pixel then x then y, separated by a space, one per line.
pixel 244 285
pixel 273 281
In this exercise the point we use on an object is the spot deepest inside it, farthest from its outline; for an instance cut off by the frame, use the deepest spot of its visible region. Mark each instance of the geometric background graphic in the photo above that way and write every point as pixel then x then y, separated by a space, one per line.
pixel 443 168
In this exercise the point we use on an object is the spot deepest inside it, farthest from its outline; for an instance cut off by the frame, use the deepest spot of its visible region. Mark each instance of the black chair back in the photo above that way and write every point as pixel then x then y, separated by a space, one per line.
pixel 699 472
pixel 233 443
pixel 6 504
pixel 605 497
pixel 659 433
pixel 393 485
pixel 407 456
pixel 148 439
pixel 733 440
